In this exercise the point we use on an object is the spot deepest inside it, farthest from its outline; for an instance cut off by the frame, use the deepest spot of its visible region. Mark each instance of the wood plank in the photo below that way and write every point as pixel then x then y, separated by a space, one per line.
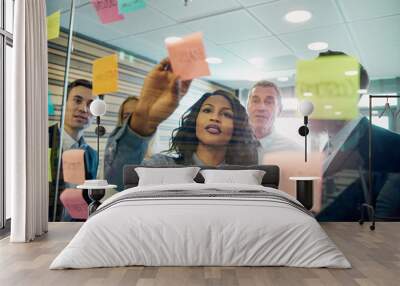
pixel 375 257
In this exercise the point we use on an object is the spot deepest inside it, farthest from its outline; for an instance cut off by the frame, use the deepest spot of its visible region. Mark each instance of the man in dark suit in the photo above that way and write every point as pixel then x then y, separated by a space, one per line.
pixel 345 170
pixel 77 119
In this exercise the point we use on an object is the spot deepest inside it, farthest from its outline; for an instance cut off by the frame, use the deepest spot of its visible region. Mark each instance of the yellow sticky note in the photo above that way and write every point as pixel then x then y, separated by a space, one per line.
pixel 49 165
pixel 53 25
pixel 105 75
pixel 331 83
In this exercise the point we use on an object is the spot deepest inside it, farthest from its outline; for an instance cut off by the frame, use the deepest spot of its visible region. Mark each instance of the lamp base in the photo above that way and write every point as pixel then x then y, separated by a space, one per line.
pixel 95 195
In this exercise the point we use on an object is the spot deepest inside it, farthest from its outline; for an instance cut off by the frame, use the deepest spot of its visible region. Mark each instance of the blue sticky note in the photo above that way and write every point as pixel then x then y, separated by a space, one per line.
pixel 50 105
pixel 129 6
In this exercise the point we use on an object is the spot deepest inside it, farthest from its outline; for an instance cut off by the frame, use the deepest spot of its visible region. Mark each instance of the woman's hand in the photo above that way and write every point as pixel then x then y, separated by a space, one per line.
pixel 159 98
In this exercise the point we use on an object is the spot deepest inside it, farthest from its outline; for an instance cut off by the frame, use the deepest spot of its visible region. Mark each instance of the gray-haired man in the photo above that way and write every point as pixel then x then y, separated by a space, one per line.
pixel 263 106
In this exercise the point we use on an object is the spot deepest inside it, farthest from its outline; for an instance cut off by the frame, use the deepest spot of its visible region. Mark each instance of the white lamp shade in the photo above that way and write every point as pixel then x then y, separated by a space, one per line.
pixel 306 107
pixel 98 107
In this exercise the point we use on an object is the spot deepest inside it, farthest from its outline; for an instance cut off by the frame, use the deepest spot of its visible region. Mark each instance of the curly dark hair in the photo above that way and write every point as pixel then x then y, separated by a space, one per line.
pixel 241 149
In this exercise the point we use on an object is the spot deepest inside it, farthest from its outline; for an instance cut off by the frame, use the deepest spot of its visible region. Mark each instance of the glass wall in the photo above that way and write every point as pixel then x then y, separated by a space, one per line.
pixel 229 94
pixel 59 17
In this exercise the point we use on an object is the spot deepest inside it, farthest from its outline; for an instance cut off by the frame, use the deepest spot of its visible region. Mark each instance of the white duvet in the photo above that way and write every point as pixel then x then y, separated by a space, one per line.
pixel 201 231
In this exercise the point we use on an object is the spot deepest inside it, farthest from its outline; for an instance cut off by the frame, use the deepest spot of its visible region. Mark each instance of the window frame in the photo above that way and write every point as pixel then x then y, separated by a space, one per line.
pixel 6 39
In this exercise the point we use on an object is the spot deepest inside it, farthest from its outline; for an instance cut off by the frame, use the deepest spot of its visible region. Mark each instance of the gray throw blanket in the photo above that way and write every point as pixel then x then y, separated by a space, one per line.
pixel 207 194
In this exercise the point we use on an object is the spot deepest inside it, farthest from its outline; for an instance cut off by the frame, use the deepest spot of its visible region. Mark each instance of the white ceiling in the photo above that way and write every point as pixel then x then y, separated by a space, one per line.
pixel 237 30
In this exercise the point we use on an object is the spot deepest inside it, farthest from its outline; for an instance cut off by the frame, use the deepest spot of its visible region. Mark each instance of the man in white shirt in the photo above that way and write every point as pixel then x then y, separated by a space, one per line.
pixel 264 105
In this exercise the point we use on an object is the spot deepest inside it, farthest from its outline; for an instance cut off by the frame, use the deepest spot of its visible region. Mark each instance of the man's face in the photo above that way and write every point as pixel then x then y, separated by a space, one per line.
pixel 263 107
pixel 77 115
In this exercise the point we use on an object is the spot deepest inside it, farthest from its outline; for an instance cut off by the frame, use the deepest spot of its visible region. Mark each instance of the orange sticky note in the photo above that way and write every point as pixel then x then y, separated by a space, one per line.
pixel 188 57
pixel 105 75
pixel 73 163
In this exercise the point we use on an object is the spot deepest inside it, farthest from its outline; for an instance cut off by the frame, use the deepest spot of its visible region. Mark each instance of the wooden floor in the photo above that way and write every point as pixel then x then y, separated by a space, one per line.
pixel 375 257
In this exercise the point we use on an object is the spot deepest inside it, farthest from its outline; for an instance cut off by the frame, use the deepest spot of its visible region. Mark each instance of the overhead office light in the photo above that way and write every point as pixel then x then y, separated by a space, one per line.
pixel 214 60
pixel 298 16
pixel 173 39
pixel 282 79
pixel 317 46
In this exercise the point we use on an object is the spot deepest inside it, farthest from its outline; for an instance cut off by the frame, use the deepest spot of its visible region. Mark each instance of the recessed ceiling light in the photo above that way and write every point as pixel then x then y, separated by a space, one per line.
pixel 327 106
pixel 338 113
pixel 282 78
pixel 257 61
pixel 307 94
pixel 362 91
pixel 298 16
pixel 351 73
pixel 214 60
pixel 317 46
pixel 171 40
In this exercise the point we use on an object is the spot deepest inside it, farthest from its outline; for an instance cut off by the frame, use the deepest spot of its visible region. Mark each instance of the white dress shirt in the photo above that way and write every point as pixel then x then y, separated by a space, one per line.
pixel 276 142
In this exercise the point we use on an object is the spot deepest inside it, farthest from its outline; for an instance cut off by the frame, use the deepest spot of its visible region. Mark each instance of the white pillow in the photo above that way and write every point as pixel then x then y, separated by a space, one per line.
pixel 248 177
pixel 166 176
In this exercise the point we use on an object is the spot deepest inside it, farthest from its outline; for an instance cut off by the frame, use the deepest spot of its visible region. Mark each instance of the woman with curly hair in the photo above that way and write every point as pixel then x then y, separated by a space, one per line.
pixel 214 131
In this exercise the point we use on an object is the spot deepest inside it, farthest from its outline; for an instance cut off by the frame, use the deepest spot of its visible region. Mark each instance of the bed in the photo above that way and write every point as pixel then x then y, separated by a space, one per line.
pixel 201 224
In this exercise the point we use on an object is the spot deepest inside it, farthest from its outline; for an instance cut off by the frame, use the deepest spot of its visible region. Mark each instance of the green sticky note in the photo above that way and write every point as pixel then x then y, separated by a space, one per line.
pixel 129 6
pixel 50 105
pixel 331 83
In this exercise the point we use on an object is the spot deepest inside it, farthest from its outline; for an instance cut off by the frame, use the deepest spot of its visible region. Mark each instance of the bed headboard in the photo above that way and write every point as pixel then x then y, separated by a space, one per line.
pixel 270 179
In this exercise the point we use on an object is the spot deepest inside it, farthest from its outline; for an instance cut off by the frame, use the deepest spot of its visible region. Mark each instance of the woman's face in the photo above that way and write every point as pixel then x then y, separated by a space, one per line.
pixel 129 107
pixel 214 123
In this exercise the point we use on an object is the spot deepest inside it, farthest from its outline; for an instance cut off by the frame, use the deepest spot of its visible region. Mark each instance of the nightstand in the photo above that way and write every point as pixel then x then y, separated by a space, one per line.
pixel 97 189
pixel 304 190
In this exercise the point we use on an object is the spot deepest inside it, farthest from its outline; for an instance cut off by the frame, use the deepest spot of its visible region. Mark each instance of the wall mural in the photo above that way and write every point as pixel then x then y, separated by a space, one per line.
pixel 173 112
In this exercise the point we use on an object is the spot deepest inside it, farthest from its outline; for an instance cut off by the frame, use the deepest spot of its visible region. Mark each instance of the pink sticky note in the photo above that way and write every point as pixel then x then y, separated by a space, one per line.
pixel 73 166
pixel 188 57
pixel 107 10
pixel 73 201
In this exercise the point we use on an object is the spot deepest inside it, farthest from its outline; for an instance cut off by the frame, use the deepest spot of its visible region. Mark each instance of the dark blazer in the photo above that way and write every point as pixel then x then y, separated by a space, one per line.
pixel 345 182
pixel 91 161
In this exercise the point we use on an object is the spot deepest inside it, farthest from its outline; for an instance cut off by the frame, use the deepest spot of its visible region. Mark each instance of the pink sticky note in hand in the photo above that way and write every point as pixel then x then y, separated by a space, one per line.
pixel 107 10
pixel 188 57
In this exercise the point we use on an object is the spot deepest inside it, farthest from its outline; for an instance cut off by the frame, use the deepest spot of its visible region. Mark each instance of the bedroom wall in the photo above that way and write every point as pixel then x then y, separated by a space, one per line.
pixel 243 53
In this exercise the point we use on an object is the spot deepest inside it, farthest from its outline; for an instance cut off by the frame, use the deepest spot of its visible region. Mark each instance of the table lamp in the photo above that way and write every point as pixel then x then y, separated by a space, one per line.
pixel 98 108
pixel 97 188
pixel 305 108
